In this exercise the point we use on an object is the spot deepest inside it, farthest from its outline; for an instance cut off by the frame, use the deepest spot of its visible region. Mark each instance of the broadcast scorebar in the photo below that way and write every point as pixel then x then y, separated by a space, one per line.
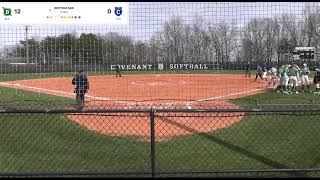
pixel 108 13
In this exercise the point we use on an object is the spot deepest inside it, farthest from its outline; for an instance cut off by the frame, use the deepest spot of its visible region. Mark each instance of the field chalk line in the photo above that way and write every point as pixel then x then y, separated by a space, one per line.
pixel 103 98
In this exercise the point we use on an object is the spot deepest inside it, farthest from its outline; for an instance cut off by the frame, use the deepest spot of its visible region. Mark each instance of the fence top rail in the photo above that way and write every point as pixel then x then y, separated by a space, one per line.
pixel 66 111
pixel 240 110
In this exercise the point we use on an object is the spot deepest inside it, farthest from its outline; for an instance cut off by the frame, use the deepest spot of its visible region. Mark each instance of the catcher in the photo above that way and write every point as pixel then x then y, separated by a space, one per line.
pixel 82 86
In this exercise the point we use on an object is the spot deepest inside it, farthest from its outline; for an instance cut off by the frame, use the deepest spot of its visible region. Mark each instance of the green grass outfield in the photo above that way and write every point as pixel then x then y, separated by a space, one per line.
pixel 52 143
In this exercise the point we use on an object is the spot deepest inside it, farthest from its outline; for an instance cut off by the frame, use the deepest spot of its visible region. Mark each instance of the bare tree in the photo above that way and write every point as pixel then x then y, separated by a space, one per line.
pixel 260 39
pixel 198 40
pixel 171 40
pixel 271 42
pixel 223 41
pixel 311 34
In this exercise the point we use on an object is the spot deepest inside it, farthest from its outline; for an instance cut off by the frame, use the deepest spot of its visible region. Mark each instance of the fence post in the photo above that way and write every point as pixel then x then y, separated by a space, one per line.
pixel 153 153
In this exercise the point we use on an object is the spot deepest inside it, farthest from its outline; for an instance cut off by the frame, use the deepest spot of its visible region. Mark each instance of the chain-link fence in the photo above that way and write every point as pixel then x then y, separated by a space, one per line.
pixel 222 35
pixel 160 142
pixel 184 105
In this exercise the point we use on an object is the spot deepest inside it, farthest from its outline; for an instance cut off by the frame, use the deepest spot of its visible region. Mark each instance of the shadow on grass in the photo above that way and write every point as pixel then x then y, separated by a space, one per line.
pixel 238 149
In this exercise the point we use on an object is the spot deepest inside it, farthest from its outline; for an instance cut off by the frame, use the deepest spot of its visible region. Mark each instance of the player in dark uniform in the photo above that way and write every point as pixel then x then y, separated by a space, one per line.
pixel 118 70
pixel 82 86
pixel 259 73
pixel 316 81
pixel 248 69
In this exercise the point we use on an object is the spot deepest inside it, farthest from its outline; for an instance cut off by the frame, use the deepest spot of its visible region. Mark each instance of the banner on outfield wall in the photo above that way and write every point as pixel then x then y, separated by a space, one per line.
pixel 167 66
pixel 27 13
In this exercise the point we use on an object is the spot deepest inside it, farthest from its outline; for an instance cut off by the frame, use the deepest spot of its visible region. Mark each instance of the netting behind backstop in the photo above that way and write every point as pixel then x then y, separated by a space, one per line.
pixel 183 105
pixel 165 37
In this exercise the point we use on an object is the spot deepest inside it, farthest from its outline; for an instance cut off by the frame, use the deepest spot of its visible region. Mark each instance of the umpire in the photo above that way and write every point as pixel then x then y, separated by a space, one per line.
pixel 82 86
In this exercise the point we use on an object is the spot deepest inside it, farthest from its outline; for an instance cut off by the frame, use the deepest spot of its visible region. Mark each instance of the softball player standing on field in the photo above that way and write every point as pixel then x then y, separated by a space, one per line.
pixel 259 73
pixel 281 78
pixel 305 71
pixel 118 70
pixel 316 81
pixel 264 72
pixel 248 69
pixel 293 79
pixel 284 78
pixel 272 78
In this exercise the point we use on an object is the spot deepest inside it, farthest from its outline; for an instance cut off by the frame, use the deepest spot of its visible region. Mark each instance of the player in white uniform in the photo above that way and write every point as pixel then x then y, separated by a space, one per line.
pixel 293 79
pixel 305 71
pixel 273 79
pixel 284 78
pixel 264 73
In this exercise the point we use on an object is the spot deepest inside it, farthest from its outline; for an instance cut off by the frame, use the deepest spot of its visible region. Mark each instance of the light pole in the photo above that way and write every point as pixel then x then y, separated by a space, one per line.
pixel 27 47
pixel 43 54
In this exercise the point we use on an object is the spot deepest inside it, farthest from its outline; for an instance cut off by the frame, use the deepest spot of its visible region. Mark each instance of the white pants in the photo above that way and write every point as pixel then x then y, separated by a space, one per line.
pixel 278 81
pixel 284 80
pixel 264 75
pixel 273 80
pixel 293 80
pixel 305 80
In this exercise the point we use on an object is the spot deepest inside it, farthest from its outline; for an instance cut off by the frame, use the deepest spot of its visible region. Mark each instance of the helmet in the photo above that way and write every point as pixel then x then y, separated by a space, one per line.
pixel 304 64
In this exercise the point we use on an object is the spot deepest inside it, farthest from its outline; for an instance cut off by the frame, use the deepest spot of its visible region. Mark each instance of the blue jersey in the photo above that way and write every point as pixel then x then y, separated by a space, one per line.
pixel 259 70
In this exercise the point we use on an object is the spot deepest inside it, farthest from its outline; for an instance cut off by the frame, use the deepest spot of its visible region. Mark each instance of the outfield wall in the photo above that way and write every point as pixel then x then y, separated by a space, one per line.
pixel 9 68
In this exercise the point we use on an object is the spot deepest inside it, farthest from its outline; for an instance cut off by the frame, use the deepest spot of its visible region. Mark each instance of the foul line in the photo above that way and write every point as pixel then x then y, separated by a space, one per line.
pixel 101 98
pixel 50 90
pixel 218 97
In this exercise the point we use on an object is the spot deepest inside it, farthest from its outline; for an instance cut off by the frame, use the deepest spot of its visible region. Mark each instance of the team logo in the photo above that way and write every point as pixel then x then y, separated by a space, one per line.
pixel 6 11
pixel 118 11
pixel 160 66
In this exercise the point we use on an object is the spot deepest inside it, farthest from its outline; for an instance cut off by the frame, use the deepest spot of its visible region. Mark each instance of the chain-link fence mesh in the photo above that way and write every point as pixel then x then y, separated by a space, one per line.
pixel 189 101
pixel 160 142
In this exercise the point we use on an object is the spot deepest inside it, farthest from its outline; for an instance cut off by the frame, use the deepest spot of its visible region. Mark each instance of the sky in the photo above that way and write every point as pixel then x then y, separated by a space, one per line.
pixel 146 18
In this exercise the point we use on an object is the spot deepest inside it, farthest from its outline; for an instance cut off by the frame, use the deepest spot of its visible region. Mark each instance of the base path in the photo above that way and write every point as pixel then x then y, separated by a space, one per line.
pixel 172 91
